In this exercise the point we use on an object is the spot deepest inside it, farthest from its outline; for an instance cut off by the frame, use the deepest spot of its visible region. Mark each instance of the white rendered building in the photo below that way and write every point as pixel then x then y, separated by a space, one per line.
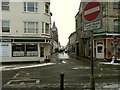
pixel 25 30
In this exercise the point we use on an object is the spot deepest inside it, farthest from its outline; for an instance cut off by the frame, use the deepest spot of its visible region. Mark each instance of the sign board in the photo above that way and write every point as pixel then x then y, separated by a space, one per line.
pixel 92 15
pixel 4 49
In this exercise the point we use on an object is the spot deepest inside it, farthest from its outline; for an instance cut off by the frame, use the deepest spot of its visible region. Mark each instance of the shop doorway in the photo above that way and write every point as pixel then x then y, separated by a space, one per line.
pixel 100 50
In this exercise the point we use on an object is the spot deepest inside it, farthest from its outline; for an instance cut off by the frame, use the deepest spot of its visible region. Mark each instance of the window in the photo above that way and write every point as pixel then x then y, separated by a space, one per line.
pixel 5 5
pixel 5 26
pixel 116 5
pixel 45 28
pixel 30 6
pixel 30 27
pixel 42 27
pixel 47 8
pixel 117 25
pixel 41 51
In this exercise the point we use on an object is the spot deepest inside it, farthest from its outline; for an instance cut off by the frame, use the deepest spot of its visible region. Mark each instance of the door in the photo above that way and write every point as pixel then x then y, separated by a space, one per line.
pixel 100 51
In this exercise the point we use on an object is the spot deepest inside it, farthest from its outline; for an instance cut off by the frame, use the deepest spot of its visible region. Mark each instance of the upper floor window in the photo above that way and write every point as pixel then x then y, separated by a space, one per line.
pixel 45 28
pixel 30 6
pixel 47 8
pixel 5 26
pixel 117 25
pixel 116 5
pixel 30 27
pixel 5 5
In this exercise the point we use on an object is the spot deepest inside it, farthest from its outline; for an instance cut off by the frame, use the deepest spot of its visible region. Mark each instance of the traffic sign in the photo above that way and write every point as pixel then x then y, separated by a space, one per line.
pixel 91 10
pixel 92 15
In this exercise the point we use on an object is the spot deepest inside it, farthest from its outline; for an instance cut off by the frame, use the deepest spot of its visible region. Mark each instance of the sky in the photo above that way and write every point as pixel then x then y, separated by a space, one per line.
pixel 64 12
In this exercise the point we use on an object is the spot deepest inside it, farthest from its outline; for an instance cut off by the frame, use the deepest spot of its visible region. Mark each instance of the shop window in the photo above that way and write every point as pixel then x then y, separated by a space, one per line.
pixel 23 50
pixel 31 50
pixel 18 50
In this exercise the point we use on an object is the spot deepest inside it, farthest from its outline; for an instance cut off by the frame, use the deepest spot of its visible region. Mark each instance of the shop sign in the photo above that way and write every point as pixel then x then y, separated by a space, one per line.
pixel 6 40
pixel 4 49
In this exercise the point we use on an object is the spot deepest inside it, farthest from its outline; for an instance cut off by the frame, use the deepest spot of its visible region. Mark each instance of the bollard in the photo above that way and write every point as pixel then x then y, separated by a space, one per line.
pixel 62 81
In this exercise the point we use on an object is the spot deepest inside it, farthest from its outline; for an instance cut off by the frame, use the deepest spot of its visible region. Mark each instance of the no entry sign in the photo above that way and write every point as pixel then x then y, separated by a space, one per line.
pixel 92 10
pixel 92 15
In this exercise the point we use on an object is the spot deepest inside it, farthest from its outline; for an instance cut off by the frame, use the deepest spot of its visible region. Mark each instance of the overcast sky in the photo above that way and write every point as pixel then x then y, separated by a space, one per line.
pixel 64 12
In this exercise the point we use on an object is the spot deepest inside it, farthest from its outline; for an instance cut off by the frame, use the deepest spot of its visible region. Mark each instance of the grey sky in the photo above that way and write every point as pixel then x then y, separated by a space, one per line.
pixel 64 12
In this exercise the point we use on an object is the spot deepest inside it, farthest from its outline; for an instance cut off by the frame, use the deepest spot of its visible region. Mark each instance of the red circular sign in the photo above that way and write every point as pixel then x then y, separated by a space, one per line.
pixel 91 10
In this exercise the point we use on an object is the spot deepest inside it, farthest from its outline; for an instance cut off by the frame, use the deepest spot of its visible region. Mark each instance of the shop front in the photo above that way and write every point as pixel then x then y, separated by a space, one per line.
pixel 106 48
pixel 24 50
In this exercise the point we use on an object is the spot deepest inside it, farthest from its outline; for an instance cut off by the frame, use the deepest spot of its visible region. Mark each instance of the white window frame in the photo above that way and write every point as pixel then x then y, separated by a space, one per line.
pixel 27 7
pixel 5 5
pixel 45 28
pixel 29 29
pixel 6 26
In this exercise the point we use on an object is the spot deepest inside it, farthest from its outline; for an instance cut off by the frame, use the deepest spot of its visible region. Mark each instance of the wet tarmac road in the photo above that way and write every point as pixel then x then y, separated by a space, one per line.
pixel 77 75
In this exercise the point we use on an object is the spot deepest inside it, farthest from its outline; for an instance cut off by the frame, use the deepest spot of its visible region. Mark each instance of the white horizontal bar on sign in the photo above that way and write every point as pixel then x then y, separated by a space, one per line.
pixel 92 10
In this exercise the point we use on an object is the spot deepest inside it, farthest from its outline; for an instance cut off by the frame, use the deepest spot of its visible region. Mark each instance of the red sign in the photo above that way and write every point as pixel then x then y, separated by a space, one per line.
pixel 91 10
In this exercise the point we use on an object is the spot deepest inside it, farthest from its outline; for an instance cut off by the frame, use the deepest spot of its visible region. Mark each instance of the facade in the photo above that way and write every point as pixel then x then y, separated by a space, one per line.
pixel 54 36
pixel 106 41
pixel 72 43
pixel 25 31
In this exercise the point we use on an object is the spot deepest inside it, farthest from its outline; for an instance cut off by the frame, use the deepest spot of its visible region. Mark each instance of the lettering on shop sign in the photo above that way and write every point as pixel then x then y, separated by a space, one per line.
pixel 6 40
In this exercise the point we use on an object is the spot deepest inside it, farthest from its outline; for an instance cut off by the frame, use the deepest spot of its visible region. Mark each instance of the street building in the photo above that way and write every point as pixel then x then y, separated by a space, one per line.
pixel 106 40
pixel 54 37
pixel 72 43
pixel 25 31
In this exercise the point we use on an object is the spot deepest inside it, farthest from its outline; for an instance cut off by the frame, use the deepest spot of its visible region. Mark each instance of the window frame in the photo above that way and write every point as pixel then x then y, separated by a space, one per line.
pixel 5 5
pixel 117 25
pixel 31 30
pixel 116 5
pixel 45 28
pixel 7 26
pixel 27 7
pixel 47 8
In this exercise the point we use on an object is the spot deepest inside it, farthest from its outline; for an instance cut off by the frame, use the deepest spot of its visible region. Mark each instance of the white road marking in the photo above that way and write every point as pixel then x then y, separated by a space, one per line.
pixel 15 76
pixel 22 66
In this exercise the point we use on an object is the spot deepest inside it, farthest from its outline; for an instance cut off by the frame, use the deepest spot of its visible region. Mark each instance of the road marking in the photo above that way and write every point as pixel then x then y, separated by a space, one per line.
pixel 28 66
pixel 15 76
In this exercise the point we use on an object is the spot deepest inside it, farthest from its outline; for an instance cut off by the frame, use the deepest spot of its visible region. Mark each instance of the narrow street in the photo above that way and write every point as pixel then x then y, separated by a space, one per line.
pixel 77 74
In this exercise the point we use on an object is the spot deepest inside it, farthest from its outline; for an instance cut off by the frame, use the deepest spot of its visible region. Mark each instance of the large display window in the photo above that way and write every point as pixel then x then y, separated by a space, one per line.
pixel 31 50
pixel 24 50
pixel 18 50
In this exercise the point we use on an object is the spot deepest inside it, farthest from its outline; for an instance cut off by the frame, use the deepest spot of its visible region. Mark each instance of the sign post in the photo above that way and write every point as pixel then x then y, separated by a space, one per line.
pixel 92 20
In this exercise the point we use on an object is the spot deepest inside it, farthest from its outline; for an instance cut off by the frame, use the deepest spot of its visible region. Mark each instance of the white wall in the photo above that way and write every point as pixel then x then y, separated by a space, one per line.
pixel 17 16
